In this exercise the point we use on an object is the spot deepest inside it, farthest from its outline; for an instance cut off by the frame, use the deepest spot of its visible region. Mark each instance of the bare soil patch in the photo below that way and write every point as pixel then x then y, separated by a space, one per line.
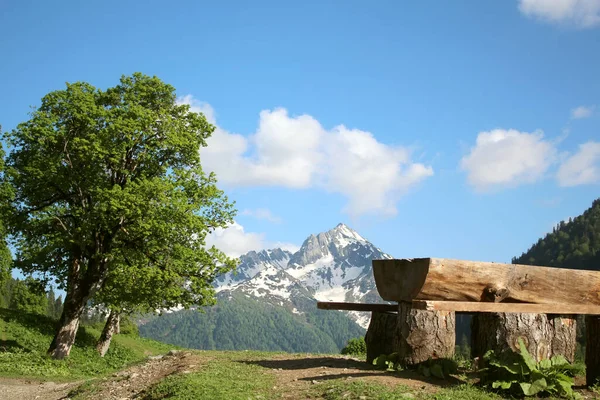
pixel 295 375
pixel 24 389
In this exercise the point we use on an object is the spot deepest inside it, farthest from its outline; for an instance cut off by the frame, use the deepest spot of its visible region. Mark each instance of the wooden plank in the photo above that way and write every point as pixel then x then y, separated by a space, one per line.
pixel 521 308
pixel 331 305
pixel 458 280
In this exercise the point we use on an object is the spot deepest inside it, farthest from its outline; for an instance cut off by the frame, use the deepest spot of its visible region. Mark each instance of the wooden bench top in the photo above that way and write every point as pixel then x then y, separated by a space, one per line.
pixel 467 307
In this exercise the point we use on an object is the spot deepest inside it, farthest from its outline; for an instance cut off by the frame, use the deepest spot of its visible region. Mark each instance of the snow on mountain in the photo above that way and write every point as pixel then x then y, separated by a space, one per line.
pixel 331 266
pixel 251 264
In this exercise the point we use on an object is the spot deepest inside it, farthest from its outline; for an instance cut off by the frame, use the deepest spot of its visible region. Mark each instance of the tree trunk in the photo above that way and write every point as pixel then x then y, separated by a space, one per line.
pixel 592 349
pixel 67 326
pixel 111 327
pixel 380 335
pixel 544 337
pixel 563 329
pixel 79 290
pixel 422 335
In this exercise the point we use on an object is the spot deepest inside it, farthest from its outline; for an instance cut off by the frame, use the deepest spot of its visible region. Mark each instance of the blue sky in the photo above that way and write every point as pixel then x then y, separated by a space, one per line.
pixel 461 129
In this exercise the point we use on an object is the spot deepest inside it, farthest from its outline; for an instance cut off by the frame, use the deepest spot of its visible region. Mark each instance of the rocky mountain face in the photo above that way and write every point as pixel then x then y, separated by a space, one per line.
pixel 331 266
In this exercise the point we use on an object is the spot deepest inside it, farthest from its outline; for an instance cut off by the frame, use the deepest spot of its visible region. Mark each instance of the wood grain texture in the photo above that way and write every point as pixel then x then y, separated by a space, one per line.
pixel 544 336
pixel 422 335
pixel 459 280
pixel 380 337
pixel 482 307
pixel 331 305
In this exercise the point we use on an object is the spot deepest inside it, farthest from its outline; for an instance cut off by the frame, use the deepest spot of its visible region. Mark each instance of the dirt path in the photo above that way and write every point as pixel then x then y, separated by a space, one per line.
pixel 131 382
pixel 21 389
pixel 125 384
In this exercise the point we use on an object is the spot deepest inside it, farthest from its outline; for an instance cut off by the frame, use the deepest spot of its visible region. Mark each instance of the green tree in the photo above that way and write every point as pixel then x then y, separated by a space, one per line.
pixel 5 256
pixel 112 179
pixel 28 295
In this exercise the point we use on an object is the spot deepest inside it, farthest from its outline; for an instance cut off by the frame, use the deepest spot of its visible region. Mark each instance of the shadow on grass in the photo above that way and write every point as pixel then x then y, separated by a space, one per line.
pixel 42 324
pixel 306 363
pixel 340 368
pixel 11 346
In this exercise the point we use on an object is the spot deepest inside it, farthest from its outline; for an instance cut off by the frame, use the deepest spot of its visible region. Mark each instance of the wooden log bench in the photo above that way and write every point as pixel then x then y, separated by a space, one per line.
pixel 539 302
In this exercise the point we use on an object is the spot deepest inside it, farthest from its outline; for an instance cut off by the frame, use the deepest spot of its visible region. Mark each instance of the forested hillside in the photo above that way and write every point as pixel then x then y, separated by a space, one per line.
pixel 241 323
pixel 572 244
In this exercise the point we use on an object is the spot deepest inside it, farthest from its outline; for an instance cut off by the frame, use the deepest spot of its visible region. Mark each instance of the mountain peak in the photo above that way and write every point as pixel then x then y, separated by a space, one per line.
pixel 344 230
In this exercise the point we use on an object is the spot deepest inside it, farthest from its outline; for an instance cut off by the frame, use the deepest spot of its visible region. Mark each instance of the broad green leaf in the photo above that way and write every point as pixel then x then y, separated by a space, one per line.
pixel 502 384
pixel 527 358
pixel 543 364
pixel 559 360
pixel 531 389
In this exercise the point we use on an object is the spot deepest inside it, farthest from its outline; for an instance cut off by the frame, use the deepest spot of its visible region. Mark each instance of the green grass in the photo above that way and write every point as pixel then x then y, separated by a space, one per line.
pixel 225 378
pixel 356 390
pixel 24 339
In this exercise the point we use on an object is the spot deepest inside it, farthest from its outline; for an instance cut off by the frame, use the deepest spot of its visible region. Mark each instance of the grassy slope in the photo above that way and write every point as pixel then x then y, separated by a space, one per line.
pixel 24 339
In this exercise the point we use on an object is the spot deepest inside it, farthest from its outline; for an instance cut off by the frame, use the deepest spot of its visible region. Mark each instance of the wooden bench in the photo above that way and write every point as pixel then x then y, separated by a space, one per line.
pixel 429 292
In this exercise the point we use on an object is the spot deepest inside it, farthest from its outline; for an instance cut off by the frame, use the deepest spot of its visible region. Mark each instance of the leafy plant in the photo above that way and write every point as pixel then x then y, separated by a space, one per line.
pixel 440 368
pixel 388 362
pixel 519 373
pixel 355 346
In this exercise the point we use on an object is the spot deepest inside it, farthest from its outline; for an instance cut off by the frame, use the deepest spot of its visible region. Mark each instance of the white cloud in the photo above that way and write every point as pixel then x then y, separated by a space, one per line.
pixel 582 167
pixel 582 112
pixel 297 152
pixel 503 158
pixel 198 106
pixel 262 213
pixel 370 174
pixel 235 241
pixel 581 13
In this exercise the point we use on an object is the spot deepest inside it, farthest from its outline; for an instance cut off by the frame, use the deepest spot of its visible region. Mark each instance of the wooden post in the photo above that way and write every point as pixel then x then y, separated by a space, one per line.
pixel 380 334
pixel 422 335
pixel 543 336
pixel 592 349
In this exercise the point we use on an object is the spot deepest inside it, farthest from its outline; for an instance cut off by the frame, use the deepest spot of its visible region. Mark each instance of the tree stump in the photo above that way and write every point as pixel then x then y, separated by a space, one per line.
pixel 592 349
pixel 544 337
pixel 563 330
pixel 422 335
pixel 380 334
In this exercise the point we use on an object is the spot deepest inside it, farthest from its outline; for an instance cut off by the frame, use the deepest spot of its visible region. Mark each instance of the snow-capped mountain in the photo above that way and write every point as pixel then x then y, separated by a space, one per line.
pixel 331 266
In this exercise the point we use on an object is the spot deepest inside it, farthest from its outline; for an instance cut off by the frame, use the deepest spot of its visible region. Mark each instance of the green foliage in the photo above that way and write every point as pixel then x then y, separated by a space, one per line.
pixel 25 337
pixel 240 323
pixel 128 327
pixel 109 192
pixel 572 244
pixel 222 379
pixel 387 362
pixel 439 368
pixel 518 373
pixel 355 346
pixel 28 296
pixel 575 244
